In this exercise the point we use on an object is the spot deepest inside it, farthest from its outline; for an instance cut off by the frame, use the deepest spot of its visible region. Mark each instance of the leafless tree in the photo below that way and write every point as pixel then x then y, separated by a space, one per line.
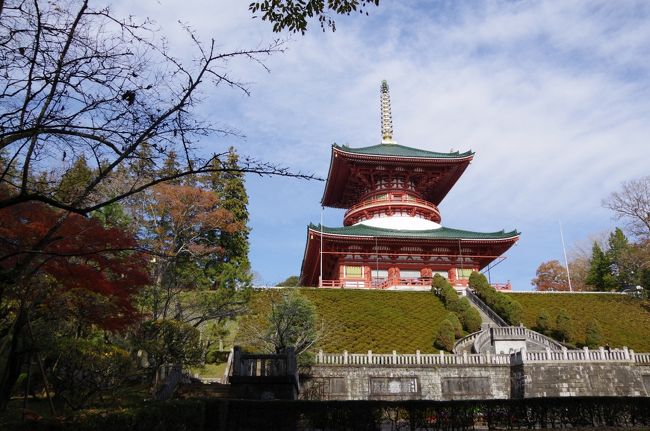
pixel 79 82
pixel 632 204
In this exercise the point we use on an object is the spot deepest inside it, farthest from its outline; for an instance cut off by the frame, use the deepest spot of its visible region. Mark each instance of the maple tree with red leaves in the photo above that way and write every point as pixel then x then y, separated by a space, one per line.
pixel 63 264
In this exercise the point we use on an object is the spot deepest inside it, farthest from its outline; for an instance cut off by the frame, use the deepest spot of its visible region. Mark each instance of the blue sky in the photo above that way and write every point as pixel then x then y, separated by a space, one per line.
pixel 554 98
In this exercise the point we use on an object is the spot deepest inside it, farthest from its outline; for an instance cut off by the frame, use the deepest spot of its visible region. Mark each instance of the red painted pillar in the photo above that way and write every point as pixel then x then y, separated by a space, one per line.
pixel 452 275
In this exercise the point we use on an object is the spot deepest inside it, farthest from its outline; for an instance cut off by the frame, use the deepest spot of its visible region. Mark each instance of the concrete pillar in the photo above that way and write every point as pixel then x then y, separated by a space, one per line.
pixel 394 357
pixel 345 357
pixel 417 357
pixel 602 353
pixel 369 357
pixel 626 352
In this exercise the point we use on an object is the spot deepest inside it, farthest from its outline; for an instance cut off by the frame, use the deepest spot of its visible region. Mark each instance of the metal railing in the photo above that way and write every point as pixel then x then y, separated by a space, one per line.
pixel 376 283
pixel 485 308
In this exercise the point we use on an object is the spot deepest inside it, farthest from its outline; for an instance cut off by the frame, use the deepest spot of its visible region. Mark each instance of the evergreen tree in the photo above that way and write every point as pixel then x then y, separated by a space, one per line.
pixel 593 334
pixel 564 326
pixel 471 319
pixel 600 271
pixel 74 181
pixel 619 248
pixel 455 321
pixel 445 336
pixel 543 323
pixel 232 268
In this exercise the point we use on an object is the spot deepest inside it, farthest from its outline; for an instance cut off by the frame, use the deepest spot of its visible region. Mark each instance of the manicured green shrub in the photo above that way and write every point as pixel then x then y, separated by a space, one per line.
pixel 593 334
pixel 471 319
pixel 360 320
pixel 445 336
pixel 624 320
pixel 506 307
pixel 455 321
pixel 564 329
pixel 543 322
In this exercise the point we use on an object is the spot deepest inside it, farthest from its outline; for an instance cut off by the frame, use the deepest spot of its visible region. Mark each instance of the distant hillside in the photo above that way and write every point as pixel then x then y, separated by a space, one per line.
pixel 625 321
pixel 362 320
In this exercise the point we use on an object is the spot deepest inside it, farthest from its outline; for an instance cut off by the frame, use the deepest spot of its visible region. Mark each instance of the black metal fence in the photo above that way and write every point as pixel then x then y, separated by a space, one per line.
pixel 544 413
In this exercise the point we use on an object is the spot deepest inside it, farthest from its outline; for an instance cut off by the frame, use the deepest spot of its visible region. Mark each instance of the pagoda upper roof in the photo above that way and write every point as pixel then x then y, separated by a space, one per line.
pixel 353 169
pixel 396 150
pixel 442 233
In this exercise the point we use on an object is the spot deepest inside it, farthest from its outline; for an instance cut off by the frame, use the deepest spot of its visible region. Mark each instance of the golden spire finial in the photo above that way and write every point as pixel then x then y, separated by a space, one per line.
pixel 386 117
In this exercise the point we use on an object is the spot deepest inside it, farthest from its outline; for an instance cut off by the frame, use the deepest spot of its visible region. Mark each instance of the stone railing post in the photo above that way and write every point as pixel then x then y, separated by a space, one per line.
pixel 319 359
pixel 465 357
pixel 442 357
pixel 394 359
pixel 345 357
pixel 417 357
pixel 626 352
pixel 548 353
pixel 586 352
pixel 601 351
pixel 564 353
pixel 369 357
pixel 631 353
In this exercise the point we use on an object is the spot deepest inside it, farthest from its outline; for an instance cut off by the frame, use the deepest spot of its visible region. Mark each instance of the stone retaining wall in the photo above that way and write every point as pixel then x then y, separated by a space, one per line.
pixel 517 379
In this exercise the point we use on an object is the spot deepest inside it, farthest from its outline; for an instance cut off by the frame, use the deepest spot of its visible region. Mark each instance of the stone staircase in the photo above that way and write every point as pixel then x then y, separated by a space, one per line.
pixel 496 336
pixel 488 315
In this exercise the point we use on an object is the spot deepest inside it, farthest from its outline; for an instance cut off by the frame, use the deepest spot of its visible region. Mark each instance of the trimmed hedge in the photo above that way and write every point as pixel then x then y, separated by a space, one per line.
pixel 623 320
pixel 362 320
pixel 506 307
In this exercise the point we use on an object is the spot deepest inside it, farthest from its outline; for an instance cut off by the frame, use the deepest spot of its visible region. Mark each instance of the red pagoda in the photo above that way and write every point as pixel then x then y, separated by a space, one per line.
pixel 392 237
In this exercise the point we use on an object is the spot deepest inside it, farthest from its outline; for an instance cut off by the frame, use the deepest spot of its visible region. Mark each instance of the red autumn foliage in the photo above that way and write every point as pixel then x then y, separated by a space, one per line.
pixel 69 263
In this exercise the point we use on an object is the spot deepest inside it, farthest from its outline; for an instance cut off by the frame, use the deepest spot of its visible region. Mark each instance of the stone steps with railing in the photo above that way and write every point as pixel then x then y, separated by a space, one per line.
pixel 486 312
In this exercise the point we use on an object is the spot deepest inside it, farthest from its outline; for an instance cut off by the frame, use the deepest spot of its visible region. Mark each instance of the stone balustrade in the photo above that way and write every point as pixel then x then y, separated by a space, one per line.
pixel 522 357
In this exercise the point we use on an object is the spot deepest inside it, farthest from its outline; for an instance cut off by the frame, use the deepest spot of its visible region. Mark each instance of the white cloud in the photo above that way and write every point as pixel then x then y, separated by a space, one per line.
pixel 553 97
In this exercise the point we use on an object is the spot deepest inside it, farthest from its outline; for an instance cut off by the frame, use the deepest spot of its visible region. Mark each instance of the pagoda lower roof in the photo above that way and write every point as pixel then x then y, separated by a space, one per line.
pixel 442 233
pixel 396 150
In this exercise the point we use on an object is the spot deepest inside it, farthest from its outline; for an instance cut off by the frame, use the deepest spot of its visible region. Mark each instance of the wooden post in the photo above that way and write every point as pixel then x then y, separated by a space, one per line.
pixel 236 361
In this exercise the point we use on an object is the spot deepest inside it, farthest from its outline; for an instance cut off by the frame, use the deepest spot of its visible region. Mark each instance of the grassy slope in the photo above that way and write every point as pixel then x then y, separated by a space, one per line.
pixel 361 320
pixel 624 321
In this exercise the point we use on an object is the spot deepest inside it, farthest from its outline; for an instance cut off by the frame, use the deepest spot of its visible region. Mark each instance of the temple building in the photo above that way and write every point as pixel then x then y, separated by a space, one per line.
pixel 392 237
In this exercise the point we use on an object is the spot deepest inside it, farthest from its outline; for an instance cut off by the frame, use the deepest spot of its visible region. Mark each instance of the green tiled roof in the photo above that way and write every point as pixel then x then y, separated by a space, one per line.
pixel 402 151
pixel 442 233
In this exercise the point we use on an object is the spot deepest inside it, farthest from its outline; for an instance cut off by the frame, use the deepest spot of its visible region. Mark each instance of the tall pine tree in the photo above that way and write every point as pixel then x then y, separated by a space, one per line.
pixel 232 267
pixel 600 275
pixel 619 250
